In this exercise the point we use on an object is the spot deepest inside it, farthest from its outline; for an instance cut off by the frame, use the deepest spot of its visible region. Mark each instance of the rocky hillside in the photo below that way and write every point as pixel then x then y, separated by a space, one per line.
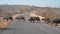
pixel 48 12
pixel 7 10
pixel 14 9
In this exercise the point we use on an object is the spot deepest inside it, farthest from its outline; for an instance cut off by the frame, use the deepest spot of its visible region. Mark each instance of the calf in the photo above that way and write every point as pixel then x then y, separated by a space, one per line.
pixel 46 20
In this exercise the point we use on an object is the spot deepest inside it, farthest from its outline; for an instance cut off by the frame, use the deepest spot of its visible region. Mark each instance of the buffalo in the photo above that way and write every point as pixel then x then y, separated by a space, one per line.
pixel 33 19
pixel 20 18
pixel 8 18
pixel 46 20
pixel 56 21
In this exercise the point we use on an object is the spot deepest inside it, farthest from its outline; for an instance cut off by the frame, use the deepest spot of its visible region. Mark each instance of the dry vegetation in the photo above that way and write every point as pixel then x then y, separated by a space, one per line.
pixel 8 10
pixel 49 12
pixel 4 23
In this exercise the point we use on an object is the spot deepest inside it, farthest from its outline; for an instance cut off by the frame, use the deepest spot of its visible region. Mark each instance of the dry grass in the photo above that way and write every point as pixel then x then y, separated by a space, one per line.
pixel 58 25
pixel 16 15
pixel 4 23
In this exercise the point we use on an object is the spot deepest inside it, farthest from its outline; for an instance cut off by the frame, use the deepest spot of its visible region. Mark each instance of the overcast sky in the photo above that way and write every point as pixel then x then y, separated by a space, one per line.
pixel 40 3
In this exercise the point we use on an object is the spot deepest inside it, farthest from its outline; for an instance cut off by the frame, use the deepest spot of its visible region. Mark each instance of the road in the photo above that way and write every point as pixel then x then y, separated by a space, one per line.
pixel 21 27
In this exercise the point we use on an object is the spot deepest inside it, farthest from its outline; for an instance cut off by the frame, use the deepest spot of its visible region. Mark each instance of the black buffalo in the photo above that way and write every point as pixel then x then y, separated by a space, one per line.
pixel 20 18
pixel 8 18
pixel 33 19
pixel 56 21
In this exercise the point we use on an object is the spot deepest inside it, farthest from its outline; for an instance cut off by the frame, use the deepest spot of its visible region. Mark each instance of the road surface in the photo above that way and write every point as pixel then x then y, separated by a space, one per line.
pixel 22 27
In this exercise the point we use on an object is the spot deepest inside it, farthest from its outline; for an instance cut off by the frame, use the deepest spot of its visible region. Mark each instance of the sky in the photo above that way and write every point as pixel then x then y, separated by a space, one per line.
pixel 40 3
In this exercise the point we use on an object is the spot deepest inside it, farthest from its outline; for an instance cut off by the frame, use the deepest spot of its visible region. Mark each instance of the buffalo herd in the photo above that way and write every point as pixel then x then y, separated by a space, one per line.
pixel 8 18
pixel 33 19
pixel 55 21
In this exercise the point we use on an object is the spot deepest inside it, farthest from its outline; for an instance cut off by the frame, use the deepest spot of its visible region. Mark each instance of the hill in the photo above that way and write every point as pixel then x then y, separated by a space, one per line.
pixel 7 10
